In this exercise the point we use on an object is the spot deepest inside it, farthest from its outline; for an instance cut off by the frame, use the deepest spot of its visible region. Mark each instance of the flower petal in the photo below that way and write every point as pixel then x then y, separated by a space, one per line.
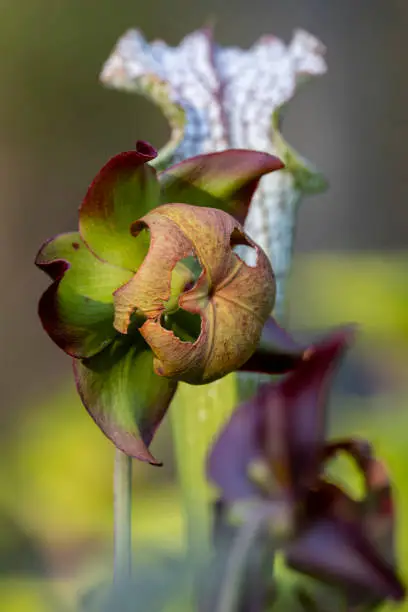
pixel 378 509
pixel 77 309
pixel 277 352
pixel 293 431
pixel 283 423
pixel 336 552
pixel 377 506
pixel 226 180
pixel 232 299
pixel 333 546
pixel 232 453
pixel 123 395
pixel 123 191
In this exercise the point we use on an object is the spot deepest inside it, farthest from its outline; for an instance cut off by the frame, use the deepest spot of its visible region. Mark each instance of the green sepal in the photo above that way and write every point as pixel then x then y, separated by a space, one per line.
pixel 77 309
pixel 124 396
pixel 123 191
pixel 226 180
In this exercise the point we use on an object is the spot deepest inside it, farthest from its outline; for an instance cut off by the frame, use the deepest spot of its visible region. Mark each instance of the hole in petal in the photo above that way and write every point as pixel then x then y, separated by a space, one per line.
pixel 193 265
pixel 141 233
pixel 186 326
pixel 243 249
pixel 183 278
pixel 342 471
pixel 137 319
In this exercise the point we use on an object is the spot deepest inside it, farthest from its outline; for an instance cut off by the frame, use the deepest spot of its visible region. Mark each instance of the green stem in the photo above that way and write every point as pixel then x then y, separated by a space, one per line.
pixel 122 491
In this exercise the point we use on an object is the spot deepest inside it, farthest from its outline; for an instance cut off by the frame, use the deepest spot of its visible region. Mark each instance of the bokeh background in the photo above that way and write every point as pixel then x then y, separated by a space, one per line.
pixel 58 126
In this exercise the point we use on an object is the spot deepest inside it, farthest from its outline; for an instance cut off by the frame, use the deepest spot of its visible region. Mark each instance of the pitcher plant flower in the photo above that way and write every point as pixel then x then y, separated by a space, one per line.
pixel 150 290
pixel 216 98
pixel 270 463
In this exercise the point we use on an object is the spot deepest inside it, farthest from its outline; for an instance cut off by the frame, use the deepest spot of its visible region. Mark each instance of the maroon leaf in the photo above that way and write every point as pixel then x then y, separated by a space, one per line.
pixel 294 426
pixel 234 450
pixel 332 545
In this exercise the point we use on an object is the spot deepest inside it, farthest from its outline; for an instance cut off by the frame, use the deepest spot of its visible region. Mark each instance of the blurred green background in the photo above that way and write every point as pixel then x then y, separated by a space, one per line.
pixel 57 127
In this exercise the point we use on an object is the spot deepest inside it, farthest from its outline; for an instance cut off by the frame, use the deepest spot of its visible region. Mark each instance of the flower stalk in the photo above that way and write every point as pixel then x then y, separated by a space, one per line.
pixel 122 508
